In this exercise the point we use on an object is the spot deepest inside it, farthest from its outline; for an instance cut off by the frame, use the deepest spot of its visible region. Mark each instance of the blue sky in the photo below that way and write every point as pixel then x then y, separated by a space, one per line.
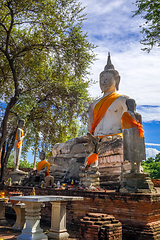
pixel 110 25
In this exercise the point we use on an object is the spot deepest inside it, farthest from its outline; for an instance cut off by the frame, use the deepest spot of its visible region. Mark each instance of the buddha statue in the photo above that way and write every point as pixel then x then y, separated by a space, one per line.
pixel 133 137
pixel 20 135
pixel 106 112
pixel 43 166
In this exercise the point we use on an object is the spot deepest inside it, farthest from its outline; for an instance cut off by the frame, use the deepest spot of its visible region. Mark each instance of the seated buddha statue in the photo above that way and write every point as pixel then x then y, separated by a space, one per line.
pixel 105 113
pixel 43 166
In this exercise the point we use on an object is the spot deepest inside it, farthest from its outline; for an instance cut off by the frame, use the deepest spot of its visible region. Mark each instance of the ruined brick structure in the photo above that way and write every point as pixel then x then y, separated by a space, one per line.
pixel 139 213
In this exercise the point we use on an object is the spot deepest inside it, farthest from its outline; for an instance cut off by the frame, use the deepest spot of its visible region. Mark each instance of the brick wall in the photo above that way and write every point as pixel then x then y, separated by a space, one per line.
pixel 97 226
pixel 138 213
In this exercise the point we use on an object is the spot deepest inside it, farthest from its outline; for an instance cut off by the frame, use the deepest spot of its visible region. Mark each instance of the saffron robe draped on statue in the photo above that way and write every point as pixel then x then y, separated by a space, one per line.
pixel 101 108
pixel 18 147
pixel 133 139
pixel 127 121
pixel 43 164
pixel 91 159
pixel 19 143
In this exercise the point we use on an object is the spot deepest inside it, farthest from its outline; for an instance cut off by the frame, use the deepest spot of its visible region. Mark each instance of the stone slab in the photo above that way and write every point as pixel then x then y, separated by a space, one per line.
pixel 45 198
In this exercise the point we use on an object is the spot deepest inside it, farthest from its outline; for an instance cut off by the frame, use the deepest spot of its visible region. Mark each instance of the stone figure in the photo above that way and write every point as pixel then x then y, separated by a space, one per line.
pixel 20 135
pixel 93 146
pixel 43 166
pixel 106 112
pixel 133 137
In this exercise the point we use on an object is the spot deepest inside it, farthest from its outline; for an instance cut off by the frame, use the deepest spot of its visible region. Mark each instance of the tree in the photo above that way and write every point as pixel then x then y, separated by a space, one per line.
pixel 23 163
pixel 152 166
pixel 150 11
pixel 43 70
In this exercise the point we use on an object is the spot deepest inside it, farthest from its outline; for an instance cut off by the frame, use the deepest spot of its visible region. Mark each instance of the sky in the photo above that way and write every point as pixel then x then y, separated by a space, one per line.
pixel 112 28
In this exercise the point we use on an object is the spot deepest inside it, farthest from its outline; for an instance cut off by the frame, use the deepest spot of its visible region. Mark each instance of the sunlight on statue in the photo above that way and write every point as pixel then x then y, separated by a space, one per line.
pixel 106 112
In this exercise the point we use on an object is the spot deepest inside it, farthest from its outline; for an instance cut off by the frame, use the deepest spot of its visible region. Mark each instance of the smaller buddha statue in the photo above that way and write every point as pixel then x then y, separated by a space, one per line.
pixel 43 166
pixel 20 135
pixel 133 136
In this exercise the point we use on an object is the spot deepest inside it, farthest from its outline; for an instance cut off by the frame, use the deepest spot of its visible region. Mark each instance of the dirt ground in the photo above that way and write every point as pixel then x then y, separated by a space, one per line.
pixel 6 231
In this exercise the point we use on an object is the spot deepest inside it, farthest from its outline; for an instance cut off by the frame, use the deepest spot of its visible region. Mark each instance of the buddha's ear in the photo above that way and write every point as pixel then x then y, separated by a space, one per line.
pixel 117 82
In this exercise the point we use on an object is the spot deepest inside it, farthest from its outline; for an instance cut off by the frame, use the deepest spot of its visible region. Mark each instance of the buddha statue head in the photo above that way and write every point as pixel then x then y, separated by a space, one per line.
pixel 131 104
pixel 109 78
pixel 21 123
pixel 42 155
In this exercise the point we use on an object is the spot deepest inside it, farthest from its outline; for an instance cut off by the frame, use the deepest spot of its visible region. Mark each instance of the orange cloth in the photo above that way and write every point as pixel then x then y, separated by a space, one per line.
pixel 19 142
pixel 127 121
pixel 92 158
pixel 43 164
pixel 101 108
pixel 120 134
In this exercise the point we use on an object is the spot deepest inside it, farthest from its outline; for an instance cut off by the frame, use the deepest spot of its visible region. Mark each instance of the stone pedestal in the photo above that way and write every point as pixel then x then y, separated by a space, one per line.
pixel 91 176
pixel 32 230
pixel 69 156
pixel 2 211
pixel 33 207
pixel 20 216
pixel 17 176
pixel 58 221
pixel 137 183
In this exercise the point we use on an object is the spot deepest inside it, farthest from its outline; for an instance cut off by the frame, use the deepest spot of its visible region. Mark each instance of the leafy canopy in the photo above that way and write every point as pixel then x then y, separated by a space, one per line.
pixel 150 12
pixel 45 57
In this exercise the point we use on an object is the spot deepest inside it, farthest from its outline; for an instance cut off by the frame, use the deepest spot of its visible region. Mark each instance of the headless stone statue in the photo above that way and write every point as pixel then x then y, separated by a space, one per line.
pixel 106 112
pixel 93 146
pixel 20 135
pixel 133 138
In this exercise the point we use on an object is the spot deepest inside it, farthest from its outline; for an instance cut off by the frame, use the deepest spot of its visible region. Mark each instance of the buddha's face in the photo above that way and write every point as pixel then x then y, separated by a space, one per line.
pixel 41 156
pixel 21 124
pixel 107 82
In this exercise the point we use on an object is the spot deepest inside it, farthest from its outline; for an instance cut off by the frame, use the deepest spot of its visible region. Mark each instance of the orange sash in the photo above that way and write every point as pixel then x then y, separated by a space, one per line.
pixel 101 108
pixel 129 122
pixel 19 142
pixel 43 164
pixel 91 159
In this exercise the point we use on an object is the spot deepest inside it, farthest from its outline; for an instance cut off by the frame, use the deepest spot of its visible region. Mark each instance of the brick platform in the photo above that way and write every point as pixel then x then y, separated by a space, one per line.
pixel 138 213
pixel 98 226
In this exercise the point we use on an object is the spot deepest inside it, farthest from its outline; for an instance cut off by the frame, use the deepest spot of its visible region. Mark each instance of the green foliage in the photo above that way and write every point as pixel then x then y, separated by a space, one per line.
pixel 45 57
pixel 152 166
pixel 23 163
pixel 150 12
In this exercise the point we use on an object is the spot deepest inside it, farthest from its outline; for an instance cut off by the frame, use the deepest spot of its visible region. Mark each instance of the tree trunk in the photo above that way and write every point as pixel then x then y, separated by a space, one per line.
pixel 6 150
pixel 35 154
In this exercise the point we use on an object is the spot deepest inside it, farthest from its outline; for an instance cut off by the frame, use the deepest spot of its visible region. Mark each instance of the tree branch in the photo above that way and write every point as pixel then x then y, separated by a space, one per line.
pixel 3 26
pixel 11 25
pixel 31 47
pixel 19 23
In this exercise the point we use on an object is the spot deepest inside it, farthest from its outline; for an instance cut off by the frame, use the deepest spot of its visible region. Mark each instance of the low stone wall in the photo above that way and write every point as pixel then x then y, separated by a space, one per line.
pixel 138 213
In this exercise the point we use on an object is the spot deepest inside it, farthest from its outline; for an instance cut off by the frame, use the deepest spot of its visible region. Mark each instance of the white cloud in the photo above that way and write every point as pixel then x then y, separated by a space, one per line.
pixel 151 152
pixel 152 144
pixel 110 26
pixel 150 113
